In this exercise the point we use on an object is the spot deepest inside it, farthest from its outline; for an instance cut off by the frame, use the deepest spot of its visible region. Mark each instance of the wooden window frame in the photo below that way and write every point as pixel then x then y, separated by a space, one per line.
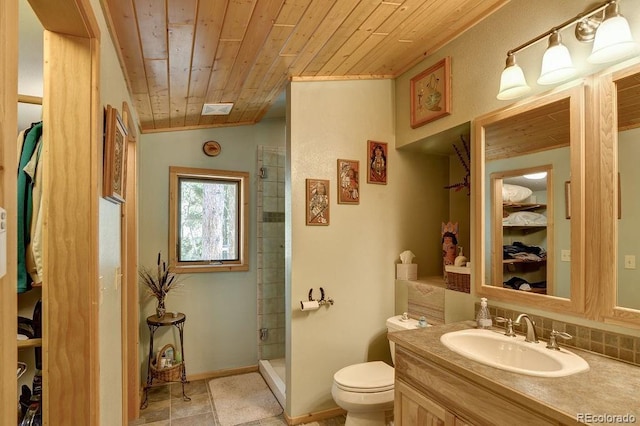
pixel 242 263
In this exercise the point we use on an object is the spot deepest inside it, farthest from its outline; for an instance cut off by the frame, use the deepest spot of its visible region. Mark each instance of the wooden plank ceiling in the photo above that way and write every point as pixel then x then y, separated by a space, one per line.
pixel 180 54
pixel 628 90
pixel 536 130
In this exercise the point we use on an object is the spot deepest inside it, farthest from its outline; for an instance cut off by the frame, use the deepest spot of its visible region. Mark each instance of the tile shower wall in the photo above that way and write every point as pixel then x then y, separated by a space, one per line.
pixel 270 228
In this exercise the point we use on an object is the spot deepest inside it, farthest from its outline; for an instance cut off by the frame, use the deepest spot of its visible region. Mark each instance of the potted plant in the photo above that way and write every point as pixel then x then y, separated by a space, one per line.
pixel 159 281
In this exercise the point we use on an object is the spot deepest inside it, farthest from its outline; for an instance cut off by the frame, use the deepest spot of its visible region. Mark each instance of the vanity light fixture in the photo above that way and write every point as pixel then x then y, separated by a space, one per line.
pixel 613 40
pixel 557 65
pixel 512 82
pixel 602 24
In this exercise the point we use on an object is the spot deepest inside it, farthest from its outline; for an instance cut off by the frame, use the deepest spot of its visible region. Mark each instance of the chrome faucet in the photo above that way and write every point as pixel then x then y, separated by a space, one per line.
pixel 532 336
pixel 553 339
pixel 508 326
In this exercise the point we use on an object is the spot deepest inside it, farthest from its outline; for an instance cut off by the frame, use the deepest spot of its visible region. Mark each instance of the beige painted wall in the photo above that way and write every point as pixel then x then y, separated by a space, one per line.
pixel 353 258
pixel 628 227
pixel 478 58
pixel 113 91
pixel 221 327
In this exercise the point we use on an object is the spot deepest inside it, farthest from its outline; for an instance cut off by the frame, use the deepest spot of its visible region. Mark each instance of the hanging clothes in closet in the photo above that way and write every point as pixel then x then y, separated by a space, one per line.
pixel 29 198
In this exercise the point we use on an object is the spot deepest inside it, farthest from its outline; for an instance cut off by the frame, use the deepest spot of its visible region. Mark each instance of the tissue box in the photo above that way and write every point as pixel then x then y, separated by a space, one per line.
pixel 407 271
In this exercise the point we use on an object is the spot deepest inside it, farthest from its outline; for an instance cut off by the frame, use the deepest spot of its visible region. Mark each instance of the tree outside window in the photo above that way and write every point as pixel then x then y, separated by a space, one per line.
pixel 208 220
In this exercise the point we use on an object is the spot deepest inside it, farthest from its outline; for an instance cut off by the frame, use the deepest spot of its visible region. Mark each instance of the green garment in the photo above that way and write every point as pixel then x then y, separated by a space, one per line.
pixel 25 204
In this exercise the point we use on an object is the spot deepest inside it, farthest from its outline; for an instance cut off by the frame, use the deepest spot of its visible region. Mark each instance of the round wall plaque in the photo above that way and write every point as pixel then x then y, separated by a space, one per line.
pixel 211 148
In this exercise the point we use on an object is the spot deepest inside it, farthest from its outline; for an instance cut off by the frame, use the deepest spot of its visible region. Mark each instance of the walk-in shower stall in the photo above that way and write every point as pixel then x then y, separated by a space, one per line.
pixel 271 288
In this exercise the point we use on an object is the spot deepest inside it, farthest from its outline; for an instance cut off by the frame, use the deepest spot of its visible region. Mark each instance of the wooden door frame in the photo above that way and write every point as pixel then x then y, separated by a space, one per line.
pixel 8 200
pixel 129 267
pixel 70 207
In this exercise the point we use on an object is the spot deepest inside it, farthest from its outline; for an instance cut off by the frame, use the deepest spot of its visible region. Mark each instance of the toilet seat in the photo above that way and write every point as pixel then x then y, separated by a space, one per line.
pixel 366 377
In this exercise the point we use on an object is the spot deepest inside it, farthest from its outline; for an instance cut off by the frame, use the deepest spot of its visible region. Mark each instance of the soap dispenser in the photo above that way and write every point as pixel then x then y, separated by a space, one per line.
pixel 483 320
pixel 461 259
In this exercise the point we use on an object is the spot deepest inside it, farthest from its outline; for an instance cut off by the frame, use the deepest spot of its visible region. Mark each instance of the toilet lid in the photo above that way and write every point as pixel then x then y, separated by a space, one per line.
pixel 375 376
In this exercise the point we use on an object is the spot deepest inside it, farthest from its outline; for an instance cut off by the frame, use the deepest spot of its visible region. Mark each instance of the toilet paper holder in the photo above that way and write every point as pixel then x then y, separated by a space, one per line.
pixel 322 300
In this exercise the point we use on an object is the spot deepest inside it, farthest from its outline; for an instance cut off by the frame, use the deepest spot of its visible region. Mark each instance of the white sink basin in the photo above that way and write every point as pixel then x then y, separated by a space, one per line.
pixel 513 353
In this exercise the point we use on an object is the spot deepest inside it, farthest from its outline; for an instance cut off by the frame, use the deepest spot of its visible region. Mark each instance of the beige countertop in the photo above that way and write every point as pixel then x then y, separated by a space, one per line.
pixel 609 387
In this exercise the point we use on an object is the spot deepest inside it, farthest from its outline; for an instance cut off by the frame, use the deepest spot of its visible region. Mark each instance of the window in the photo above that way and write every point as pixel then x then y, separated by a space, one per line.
pixel 208 220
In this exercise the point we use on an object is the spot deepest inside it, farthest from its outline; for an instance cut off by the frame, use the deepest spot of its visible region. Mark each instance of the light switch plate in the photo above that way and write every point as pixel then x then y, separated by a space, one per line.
pixel 629 261
pixel 565 255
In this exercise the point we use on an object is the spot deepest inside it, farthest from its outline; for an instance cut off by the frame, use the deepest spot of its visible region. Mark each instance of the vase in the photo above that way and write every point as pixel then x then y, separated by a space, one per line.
pixel 160 310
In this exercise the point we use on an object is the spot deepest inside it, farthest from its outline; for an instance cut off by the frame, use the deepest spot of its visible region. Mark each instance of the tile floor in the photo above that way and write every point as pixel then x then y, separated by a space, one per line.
pixel 166 408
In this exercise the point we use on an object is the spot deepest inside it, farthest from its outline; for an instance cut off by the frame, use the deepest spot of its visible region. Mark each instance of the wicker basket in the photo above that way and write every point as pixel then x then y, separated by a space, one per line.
pixel 458 278
pixel 167 374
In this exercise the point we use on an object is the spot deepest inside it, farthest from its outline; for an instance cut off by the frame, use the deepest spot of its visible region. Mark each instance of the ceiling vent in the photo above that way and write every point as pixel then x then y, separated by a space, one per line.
pixel 217 109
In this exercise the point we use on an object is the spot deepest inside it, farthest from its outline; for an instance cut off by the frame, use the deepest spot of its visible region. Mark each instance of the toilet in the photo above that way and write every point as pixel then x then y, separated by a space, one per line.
pixel 365 390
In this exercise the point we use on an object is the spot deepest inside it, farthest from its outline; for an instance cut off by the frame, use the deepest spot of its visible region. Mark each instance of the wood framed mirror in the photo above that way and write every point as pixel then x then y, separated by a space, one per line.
pixel 619 131
pixel 545 133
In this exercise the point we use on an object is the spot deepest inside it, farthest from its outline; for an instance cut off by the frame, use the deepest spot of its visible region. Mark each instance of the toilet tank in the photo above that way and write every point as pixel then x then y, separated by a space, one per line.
pixel 397 323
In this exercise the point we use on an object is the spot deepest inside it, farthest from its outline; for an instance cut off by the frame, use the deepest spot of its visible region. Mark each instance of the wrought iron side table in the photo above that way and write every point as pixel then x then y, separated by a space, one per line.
pixel 153 322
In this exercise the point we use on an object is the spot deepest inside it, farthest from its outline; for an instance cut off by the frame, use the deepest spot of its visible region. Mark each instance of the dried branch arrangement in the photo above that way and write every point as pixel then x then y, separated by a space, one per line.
pixel 159 280
pixel 466 181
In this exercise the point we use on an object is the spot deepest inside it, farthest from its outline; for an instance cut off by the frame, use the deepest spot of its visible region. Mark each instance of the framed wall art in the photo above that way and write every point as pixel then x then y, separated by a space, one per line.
pixel 115 157
pixel 431 93
pixel 348 182
pixel 378 162
pixel 317 202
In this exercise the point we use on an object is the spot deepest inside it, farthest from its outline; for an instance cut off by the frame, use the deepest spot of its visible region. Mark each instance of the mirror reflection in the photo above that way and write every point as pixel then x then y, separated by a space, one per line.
pixel 628 227
pixel 527 245
pixel 523 229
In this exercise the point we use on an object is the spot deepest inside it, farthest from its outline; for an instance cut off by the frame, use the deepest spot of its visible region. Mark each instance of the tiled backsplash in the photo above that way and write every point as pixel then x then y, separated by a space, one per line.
pixel 428 299
pixel 614 345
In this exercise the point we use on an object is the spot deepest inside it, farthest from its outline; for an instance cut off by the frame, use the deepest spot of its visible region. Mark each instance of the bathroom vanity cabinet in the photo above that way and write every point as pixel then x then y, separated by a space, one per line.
pixel 414 408
pixel 427 394
pixel 436 386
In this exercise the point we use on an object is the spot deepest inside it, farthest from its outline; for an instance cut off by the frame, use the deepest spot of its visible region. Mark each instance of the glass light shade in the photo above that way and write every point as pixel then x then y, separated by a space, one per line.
pixel 613 41
pixel 512 82
pixel 556 63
